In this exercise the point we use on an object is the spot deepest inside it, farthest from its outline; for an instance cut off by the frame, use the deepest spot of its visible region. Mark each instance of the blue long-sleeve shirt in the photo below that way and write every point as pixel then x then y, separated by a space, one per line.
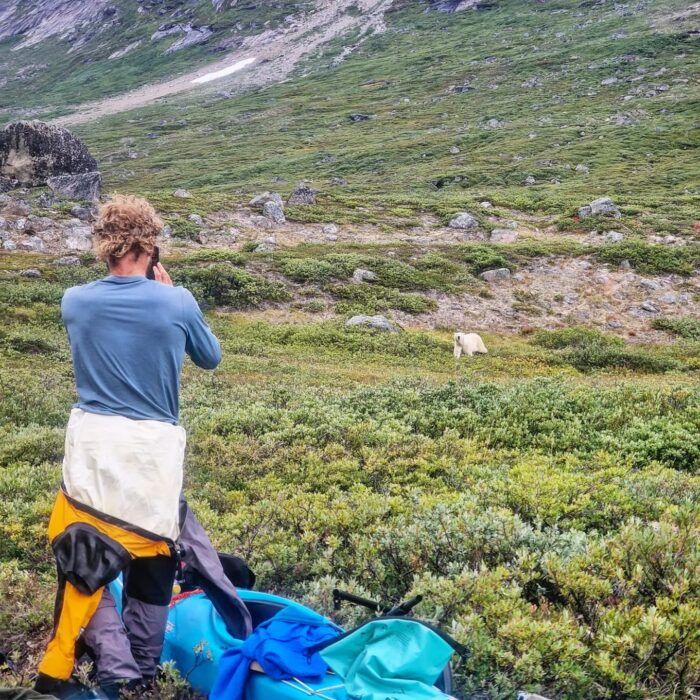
pixel 128 338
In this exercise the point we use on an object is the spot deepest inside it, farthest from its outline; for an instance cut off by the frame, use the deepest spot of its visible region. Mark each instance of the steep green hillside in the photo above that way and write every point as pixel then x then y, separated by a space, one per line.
pixel 550 86
pixel 59 72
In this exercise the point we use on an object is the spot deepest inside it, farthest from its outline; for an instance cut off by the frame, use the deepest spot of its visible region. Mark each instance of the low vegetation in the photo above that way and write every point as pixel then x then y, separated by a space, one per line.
pixel 544 500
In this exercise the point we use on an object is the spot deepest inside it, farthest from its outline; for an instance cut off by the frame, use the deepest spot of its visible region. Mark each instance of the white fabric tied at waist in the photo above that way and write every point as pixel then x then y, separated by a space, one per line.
pixel 129 469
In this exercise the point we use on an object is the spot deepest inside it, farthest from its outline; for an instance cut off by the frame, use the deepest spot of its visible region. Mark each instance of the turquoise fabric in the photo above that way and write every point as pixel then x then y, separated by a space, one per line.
pixel 390 659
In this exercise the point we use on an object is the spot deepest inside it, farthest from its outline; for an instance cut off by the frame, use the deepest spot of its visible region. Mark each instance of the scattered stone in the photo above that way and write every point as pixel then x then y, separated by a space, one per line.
pixel 196 219
pixel 274 211
pixel 339 181
pixel 649 307
pixel 32 152
pixel 33 244
pixel 330 229
pixel 454 150
pixel 83 186
pixel 600 207
pixel 531 83
pixel 267 246
pixel 459 89
pixel 361 275
pixel 501 273
pixel 262 222
pixel 530 180
pixel 485 205
pixel 84 213
pixel 648 284
pixel 18 207
pixel 167 231
pixel 669 298
pixel 581 168
pixel 7 184
pixel 67 261
pixel 671 240
pixel 493 124
pixel 464 220
pixel 503 235
pixel 626 265
pixel 32 273
pixel 379 323
pixel 9 245
pixel 259 201
pixel 303 195
pixel 358 117
pixel 182 194
pixel 608 81
pixel 79 238
pixel 20 224
pixel 331 237
pixel 614 237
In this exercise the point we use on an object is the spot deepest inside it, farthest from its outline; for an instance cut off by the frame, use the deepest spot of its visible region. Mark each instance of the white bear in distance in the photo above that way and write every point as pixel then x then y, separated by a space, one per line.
pixel 469 343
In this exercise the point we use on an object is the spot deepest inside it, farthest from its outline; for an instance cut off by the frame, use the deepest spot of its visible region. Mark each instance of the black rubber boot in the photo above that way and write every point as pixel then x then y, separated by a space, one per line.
pixel 113 690
pixel 65 690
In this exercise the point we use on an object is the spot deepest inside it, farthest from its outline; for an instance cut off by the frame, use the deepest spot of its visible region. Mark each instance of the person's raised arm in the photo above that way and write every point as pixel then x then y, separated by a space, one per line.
pixel 201 344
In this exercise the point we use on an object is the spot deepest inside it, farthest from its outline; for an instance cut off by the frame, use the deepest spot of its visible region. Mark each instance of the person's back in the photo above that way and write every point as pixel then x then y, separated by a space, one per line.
pixel 118 508
pixel 128 338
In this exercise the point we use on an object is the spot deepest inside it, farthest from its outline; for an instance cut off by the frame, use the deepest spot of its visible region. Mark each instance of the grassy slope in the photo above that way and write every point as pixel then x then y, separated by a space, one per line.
pixel 300 129
pixel 59 79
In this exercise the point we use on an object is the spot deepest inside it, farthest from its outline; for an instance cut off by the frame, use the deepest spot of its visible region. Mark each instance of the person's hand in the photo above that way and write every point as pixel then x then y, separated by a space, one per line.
pixel 161 275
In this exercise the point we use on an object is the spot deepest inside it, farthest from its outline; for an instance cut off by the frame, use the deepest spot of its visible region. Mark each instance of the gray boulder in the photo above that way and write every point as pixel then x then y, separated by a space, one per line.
pixel 649 306
pixel 581 168
pixel 84 213
pixel 31 273
pixel 83 186
pixel 600 207
pixel 274 212
pixel 454 150
pixel 379 323
pixel 530 180
pixel 464 220
pixel 32 152
pixel 67 261
pixel 361 275
pixel 78 238
pixel 182 194
pixel 9 244
pixel 497 275
pixel 196 219
pixel 303 195
pixel 358 117
pixel 7 184
pixel 330 229
pixel 503 235
pixel 259 201
pixel 33 244
pixel 614 237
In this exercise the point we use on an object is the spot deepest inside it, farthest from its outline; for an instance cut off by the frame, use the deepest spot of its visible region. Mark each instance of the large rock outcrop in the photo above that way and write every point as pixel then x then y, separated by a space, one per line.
pixel 33 152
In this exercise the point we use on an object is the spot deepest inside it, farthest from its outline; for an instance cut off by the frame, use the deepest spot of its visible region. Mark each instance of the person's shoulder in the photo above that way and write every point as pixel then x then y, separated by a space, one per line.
pixel 80 290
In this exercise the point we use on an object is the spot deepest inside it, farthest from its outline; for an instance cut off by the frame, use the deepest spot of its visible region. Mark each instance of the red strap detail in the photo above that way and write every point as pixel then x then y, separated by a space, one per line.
pixel 181 596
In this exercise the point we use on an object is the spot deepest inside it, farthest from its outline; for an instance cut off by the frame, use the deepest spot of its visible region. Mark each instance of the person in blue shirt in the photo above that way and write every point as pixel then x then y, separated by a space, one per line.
pixel 119 504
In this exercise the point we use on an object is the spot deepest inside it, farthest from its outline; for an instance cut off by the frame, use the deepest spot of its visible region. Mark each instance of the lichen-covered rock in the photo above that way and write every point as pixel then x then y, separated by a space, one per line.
pixel 361 275
pixel 600 207
pixel 500 273
pixel 303 195
pixel 379 323
pixel 464 220
pixel 32 152
pixel 274 211
pixel 259 201
pixel 83 186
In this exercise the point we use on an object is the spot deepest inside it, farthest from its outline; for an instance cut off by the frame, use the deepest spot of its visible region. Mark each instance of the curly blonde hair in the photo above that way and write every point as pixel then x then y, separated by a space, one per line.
pixel 124 225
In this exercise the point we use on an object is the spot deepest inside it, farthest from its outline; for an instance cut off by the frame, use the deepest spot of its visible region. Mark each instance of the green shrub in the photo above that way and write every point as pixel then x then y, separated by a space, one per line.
pixel 481 256
pixel 574 337
pixel 685 327
pixel 225 285
pixel 210 255
pixel 309 270
pixel 370 299
pixel 652 259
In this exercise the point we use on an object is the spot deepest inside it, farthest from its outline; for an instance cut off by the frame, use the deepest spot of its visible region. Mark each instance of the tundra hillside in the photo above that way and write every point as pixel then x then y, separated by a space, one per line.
pixel 525 170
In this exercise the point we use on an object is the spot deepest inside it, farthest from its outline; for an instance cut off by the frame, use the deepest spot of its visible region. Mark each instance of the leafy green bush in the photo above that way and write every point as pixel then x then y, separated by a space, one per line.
pixel 224 285
pixel 685 327
pixel 309 270
pixel 652 259
pixel 370 299
pixel 574 337
pixel 482 256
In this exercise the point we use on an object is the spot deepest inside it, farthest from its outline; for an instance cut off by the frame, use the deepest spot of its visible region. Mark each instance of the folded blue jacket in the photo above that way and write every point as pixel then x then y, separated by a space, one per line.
pixel 280 645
